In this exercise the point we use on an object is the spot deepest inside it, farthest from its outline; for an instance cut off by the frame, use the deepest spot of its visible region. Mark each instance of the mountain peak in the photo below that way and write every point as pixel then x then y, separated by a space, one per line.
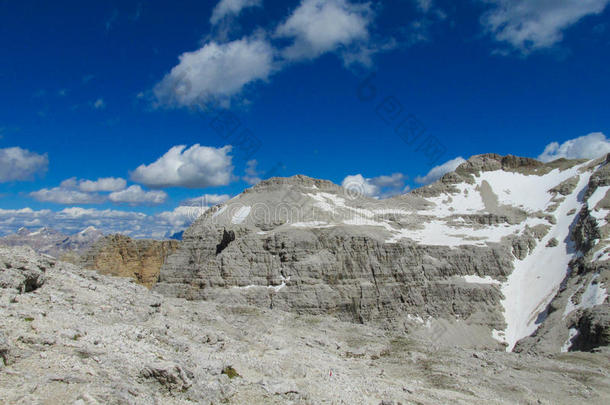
pixel 89 229
pixel 299 180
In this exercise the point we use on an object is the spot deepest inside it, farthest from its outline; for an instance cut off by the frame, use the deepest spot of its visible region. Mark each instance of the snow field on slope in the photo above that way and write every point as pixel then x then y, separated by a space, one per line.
pixel 536 279
pixel 529 192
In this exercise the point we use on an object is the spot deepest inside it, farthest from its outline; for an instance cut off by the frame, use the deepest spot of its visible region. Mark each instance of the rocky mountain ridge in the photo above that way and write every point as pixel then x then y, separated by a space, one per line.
pixel 479 258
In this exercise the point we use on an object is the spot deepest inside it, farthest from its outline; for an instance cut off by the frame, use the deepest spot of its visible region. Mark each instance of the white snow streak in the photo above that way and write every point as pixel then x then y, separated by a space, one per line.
pixel 536 279
pixel 568 343
pixel 480 280
pixel 241 215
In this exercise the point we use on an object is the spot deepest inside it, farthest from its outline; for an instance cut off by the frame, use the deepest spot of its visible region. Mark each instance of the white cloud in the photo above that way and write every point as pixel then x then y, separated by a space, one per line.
pixel 216 72
pixel 206 200
pixel 357 184
pixel 438 171
pixel 60 195
pixel 90 186
pixel 134 195
pixel 17 164
pixel 99 104
pixel 585 147
pixel 320 26
pixel 196 167
pixel 181 217
pixel 231 7
pixel 252 174
pixel 376 187
pixel 531 25
pixel 74 191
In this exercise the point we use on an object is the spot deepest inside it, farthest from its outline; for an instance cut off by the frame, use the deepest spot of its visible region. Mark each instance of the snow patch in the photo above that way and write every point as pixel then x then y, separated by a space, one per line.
pixel 601 255
pixel 415 318
pixel 241 215
pixel 277 288
pixel 597 196
pixel 594 295
pixel 467 201
pixel 480 280
pixel 568 343
pixel 529 192
pixel 440 233
pixel 311 224
pixel 368 222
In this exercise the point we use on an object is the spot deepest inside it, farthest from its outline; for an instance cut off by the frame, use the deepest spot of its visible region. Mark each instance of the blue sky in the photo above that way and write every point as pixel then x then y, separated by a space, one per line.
pixel 109 110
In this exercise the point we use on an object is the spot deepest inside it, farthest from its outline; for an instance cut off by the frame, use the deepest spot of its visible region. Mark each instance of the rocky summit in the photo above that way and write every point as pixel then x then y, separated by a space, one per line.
pixel 504 252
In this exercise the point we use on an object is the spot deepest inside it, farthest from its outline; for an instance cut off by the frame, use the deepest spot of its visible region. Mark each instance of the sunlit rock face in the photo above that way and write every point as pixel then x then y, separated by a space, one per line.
pixel 480 258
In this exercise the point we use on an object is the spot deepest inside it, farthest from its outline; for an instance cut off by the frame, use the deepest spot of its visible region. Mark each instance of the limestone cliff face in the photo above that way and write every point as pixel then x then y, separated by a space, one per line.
pixel 474 259
pixel 122 256
pixel 354 276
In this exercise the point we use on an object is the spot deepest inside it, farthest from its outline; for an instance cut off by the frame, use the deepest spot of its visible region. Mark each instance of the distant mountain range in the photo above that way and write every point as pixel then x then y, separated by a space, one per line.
pixel 51 242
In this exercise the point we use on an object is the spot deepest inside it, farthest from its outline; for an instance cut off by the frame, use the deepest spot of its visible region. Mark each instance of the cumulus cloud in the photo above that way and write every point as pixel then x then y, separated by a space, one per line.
pixel 189 210
pixel 589 146
pixel 320 26
pixel 134 195
pixel 206 200
pixel 181 217
pixel 220 71
pixel 75 191
pixel 376 187
pixel 60 195
pixel 252 174
pixel 216 72
pixel 231 8
pixel 196 167
pixel 17 164
pixel 438 171
pixel 532 25
pixel 90 186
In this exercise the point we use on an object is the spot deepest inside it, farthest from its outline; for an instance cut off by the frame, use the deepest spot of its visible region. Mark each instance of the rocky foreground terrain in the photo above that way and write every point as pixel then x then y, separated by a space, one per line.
pixel 73 336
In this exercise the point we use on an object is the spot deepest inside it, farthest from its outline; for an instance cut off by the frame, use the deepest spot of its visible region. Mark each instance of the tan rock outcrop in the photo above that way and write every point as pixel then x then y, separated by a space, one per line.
pixel 122 256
